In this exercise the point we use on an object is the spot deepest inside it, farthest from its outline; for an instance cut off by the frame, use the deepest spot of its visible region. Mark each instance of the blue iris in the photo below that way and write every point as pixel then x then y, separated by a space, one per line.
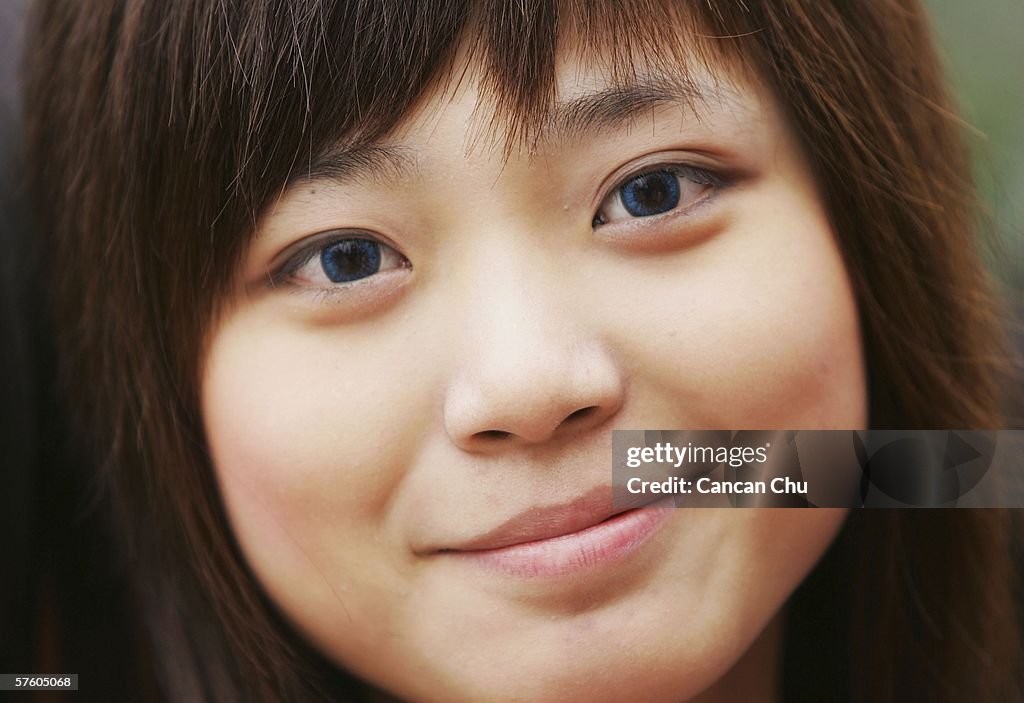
pixel 650 193
pixel 350 259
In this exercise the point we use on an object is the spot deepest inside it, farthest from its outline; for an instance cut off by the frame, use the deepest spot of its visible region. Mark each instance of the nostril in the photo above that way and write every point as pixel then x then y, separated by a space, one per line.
pixel 580 414
pixel 576 420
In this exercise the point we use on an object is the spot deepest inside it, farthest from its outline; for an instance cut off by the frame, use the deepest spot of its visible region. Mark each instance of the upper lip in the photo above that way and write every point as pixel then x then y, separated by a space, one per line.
pixel 546 522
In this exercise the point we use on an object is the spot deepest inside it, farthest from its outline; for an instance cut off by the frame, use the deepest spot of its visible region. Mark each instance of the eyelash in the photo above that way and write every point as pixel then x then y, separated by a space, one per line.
pixel 695 175
pixel 318 245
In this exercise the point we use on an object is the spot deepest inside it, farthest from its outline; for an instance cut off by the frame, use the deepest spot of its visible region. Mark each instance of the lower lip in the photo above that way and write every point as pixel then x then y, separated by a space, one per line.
pixel 607 542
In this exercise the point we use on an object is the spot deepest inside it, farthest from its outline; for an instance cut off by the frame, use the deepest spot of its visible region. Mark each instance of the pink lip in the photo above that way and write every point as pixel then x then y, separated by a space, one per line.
pixel 555 540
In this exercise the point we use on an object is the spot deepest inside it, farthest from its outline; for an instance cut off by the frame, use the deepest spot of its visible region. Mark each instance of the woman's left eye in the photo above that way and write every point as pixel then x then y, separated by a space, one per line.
pixel 655 192
pixel 339 260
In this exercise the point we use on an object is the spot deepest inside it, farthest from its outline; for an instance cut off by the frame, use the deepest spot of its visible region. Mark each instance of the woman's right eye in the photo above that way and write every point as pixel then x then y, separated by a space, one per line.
pixel 339 261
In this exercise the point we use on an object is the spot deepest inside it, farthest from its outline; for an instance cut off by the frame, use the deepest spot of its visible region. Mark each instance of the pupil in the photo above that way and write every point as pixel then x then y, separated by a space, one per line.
pixel 350 260
pixel 650 194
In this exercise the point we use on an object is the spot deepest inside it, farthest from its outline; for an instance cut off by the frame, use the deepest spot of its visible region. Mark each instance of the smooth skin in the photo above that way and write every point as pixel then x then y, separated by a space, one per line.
pixel 520 313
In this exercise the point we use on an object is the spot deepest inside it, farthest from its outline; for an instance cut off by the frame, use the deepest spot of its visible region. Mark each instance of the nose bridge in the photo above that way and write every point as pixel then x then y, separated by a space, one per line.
pixel 527 368
pixel 515 310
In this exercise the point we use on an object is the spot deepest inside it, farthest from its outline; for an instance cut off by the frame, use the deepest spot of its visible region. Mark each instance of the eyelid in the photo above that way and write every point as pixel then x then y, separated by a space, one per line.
pixel 301 252
pixel 681 165
pixel 696 159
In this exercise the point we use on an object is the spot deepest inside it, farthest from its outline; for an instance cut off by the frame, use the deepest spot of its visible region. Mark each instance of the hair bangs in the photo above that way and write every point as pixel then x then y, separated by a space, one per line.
pixel 348 74
pixel 631 43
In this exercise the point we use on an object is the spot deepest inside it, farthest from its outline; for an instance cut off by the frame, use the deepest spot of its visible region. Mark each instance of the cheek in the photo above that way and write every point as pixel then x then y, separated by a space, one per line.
pixel 757 329
pixel 275 423
pixel 303 411
pixel 303 438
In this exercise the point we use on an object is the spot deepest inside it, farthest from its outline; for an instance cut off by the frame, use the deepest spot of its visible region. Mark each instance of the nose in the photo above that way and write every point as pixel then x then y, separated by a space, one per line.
pixel 528 370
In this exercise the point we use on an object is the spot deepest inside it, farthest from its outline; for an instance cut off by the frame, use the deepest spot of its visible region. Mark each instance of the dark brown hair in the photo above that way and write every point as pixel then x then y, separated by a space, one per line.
pixel 159 131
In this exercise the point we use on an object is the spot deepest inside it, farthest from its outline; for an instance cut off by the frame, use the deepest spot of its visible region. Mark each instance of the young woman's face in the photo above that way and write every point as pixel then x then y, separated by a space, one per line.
pixel 410 401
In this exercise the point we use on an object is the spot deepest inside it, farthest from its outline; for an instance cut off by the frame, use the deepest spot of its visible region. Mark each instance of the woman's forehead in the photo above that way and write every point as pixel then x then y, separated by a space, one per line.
pixel 590 106
pixel 533 72
pixel 589 100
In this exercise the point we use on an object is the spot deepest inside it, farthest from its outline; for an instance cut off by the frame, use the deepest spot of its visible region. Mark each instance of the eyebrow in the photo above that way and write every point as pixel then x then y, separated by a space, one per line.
pixel 598 112
pixel 612 108
pixel 360 162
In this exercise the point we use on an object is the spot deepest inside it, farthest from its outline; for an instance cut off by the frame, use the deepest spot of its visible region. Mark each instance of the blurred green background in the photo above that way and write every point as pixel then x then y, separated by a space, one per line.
pixel 982 42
